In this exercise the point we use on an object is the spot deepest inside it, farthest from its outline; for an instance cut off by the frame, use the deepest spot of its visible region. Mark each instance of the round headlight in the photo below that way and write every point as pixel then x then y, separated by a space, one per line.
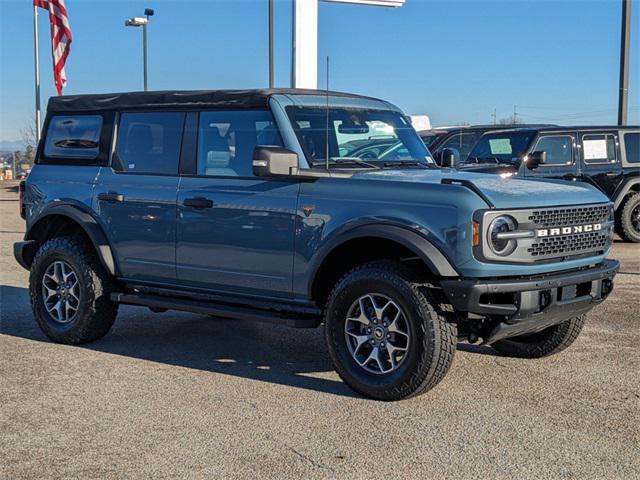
pixel 501 246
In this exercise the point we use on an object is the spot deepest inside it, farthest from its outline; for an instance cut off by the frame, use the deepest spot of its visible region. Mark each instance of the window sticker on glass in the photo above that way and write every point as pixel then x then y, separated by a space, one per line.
pixel 595 149
pixel 500 146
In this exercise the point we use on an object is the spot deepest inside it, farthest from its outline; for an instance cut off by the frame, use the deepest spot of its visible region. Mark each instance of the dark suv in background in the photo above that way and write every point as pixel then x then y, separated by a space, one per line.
pixel 606 157
pixel 462 138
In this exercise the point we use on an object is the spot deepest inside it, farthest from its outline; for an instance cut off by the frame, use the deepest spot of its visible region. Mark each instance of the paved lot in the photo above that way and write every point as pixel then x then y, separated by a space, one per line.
pixel 177 395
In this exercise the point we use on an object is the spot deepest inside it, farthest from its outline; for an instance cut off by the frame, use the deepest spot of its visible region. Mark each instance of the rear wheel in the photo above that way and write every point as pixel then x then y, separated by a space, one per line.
pixel 541 344
pixel 388 335
pixel 628 219
pixel 70 291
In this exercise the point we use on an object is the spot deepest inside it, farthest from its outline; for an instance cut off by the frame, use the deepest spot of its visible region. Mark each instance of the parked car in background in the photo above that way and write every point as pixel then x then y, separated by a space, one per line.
pixel 241 204
pixel 461 138
pixel 606 157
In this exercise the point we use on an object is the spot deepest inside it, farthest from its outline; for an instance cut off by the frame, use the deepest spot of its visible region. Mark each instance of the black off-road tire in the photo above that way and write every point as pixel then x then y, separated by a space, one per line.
pixel 96 312
pixel 547 342
pixel 432 344
pixel 624 227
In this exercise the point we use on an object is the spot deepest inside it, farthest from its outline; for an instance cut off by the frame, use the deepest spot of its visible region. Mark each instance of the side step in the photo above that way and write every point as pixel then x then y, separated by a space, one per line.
pixel 215 309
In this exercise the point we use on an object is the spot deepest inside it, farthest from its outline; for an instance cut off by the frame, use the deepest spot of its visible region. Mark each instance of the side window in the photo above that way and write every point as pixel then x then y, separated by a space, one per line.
pixel 632 147
pixel 73 136
pixel 149 142
pixel 599 148
pixel 226 140
pixel 463 142
pixel 559 149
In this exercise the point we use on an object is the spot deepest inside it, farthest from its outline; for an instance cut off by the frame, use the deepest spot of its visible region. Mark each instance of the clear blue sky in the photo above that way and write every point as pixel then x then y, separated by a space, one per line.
pixel 457 61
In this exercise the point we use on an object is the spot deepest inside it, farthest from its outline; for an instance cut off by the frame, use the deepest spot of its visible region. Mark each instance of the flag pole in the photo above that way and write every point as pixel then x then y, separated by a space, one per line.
pixel 36 54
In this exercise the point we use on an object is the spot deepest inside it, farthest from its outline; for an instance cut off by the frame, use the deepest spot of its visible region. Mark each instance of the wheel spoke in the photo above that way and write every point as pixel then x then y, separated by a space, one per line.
pixel 360 341
pixel 394 327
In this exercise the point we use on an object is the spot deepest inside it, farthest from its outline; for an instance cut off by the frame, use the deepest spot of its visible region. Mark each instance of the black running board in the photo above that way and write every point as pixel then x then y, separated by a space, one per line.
pixel 218 310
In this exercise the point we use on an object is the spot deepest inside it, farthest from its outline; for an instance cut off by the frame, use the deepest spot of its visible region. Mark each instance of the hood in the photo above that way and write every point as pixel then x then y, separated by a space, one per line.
pixel 487 168
pixel 502 192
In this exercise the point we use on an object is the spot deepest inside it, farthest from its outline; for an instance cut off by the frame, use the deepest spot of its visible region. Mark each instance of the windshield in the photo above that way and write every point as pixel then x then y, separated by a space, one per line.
pixel 363 138
pixel 500 147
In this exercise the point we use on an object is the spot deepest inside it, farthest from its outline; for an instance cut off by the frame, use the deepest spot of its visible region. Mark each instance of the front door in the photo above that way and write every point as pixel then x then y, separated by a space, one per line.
pixel 235 231
pixel 600 157
pixel 136 195
pixel 561 159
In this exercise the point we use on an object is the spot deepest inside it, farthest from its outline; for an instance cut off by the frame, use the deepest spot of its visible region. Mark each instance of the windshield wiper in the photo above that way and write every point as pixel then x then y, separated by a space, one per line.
pixel 406 163
pixel 346 161
pixel 485 159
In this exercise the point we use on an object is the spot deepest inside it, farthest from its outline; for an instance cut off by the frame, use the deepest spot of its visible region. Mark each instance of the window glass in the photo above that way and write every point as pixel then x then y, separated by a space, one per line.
pixel 500 147
pixel 559 149
pixel 632 147
pixel 150 142
pixel 356 134
pixel 463 142
pixel 73 136
pixel 226 141
pixel 599 148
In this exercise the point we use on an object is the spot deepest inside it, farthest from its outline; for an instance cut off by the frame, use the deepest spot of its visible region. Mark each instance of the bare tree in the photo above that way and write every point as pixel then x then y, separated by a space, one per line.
pixel 30 142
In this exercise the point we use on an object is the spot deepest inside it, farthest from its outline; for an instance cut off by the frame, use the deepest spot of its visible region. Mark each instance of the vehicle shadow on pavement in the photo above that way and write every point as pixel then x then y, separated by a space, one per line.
pixel 264 352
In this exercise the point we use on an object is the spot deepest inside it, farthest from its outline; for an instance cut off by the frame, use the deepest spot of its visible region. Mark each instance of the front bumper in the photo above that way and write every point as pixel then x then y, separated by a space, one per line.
pixel 518 306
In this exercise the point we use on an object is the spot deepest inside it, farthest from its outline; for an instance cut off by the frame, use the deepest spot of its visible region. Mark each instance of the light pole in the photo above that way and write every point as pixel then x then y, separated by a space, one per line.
pixel 142 22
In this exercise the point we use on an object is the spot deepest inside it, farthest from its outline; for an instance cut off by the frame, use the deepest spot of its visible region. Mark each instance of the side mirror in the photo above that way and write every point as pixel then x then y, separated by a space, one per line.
pixel 449 158
pixel 273 161
pixel 535 159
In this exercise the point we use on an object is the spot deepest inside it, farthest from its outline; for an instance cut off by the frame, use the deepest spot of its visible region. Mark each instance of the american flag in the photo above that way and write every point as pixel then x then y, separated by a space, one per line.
pixel 60 38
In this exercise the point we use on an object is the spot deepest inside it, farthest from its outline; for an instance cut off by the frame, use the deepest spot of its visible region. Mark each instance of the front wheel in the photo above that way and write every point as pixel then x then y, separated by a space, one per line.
pixel 541 344
pixel 388 335
pixel 628 219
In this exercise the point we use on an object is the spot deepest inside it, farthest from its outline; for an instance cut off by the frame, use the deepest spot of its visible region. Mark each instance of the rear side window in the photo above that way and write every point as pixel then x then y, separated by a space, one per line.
pixel 599 148
pixel 632 147
pixel 73 137
pixel 149 142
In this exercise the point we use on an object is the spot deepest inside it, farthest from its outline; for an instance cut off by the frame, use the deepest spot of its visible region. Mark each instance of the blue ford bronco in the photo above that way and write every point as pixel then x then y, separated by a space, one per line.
pixel 248 205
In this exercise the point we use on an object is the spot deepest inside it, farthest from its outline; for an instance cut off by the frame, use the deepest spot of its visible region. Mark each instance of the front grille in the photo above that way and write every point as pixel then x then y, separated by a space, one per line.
pixel 559 217
pixel 556 233
pixel 568 245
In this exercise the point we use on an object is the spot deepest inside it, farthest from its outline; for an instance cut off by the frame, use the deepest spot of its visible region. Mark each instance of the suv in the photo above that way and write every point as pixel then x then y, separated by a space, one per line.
pixel 238 204
pixel 462 138
pixel 606 157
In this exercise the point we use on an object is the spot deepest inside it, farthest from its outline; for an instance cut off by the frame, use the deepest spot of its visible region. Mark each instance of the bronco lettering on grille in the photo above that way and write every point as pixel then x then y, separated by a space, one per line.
pixel 553 232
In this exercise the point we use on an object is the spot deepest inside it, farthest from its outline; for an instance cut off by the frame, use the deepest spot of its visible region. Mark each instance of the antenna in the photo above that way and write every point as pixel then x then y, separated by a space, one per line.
pixel 326 139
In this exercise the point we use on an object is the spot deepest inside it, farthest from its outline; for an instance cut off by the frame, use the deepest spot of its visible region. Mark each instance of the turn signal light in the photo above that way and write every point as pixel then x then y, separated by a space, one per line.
pixel 476 234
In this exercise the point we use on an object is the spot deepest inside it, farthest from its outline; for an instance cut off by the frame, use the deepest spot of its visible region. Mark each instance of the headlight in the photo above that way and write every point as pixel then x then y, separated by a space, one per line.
pixel 501 244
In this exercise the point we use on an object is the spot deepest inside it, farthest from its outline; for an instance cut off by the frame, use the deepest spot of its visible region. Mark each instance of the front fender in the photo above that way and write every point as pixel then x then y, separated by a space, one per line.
pixel 431 255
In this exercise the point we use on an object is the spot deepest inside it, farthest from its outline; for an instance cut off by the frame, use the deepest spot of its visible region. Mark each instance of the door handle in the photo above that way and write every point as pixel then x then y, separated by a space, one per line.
pixel 111 197
pixel 612 174
pixel 198 202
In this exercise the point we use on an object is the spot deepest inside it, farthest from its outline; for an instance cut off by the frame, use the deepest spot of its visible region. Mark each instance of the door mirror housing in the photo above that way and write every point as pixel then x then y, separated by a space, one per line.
pixel 449 158
pixel 535 159
pixel 271 161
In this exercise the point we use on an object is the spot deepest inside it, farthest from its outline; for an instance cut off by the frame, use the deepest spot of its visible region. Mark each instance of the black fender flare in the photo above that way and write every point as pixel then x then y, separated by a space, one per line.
pixel 90 226
pixel 431 255
pixel 624 191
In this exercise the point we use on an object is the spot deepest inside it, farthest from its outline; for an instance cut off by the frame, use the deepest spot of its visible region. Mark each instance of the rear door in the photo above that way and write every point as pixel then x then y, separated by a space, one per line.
pixel 136 196
pixel 600 157
pixel 235 231
pixel 561 156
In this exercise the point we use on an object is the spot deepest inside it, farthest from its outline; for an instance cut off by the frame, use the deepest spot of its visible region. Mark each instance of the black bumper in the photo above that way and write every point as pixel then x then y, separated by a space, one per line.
pixel 530 304
pixel 24 253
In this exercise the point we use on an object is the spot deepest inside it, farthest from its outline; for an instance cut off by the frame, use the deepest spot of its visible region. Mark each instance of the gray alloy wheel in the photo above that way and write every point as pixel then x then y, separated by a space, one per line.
pixel 60 292
pixel 377 333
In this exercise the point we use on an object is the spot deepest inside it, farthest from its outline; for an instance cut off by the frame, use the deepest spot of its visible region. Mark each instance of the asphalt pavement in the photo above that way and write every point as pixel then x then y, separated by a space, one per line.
pixel 177 395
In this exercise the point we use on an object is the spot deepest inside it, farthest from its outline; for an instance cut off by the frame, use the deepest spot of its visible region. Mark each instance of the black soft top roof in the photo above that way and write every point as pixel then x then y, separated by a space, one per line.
pixel 178 99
